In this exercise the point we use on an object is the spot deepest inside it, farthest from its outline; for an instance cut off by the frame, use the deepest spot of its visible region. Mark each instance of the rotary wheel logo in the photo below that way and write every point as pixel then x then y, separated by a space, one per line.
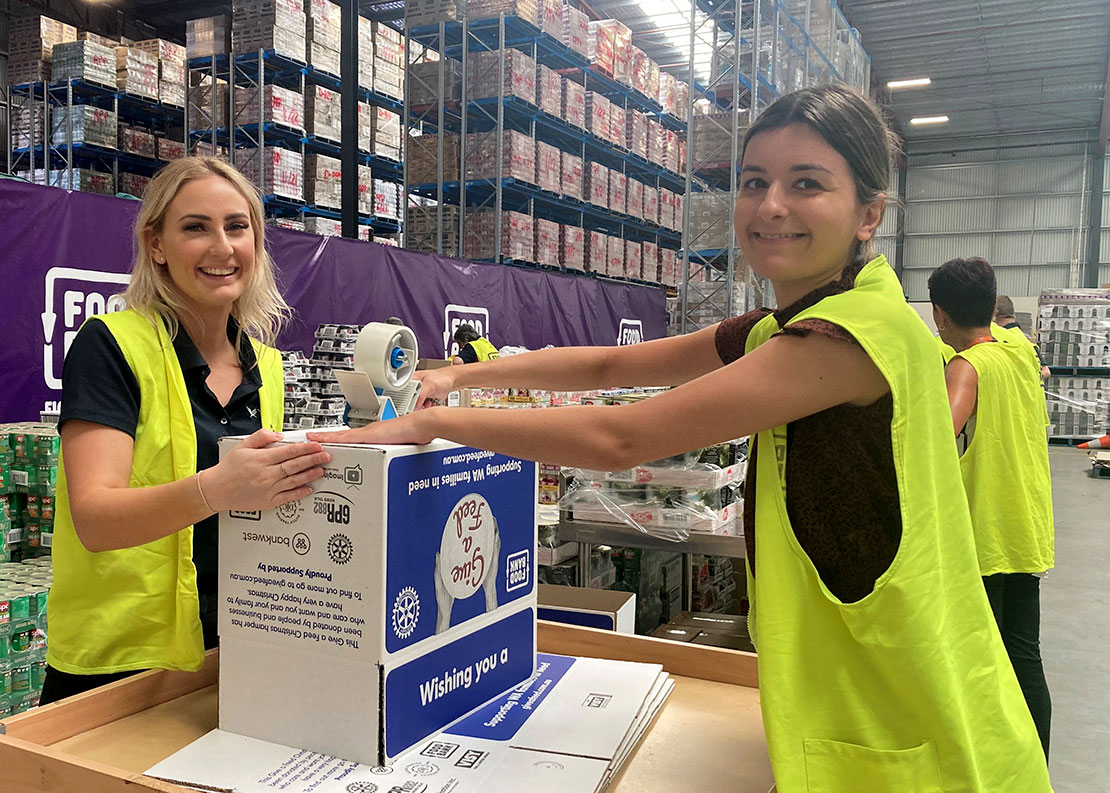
pixel 362 787
pixel 406 612
pixel 340 548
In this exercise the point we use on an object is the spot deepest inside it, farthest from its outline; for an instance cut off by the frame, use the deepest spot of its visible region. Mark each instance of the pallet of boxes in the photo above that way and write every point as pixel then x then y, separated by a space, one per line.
pixel 1073 330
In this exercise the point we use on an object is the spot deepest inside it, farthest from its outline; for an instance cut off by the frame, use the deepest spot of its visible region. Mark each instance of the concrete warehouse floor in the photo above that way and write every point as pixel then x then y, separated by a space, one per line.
pixel 1075 626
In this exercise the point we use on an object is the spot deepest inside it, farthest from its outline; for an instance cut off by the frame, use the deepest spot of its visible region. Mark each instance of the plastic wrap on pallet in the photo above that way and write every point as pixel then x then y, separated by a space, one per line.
pixel 665 216
pixel 428 12
pixel 365 126
pixel 668 92
pixel 546 245
pixel 1073 327
pixel 549 90
pixel 171 93
pixel 710 219
pixel 365 50
pixel 325 227
pixel 273 170
pixel 87 124
pixel 208 105
pixel 519 75
pixel 517 235
pixel 655 137
pixel 636 133
pixel 640 71
pixel 323 181
pixel 548 167
pixel 137 142
pixel 164 51
pixel 84 60
pixel 678 210
pixel 576 30
pixel 133 184
pixel 601 44
pixel 167 149
pixel 322 113
pixel 423 159
pixel 615 262
pixel 682 95
pixel 254 18
pixel 388 45
pixel 324 24
pixel 617 123
pixel 633 260
pixel 1078 406
pixel 571 177
pixel 424 88
pixel 518 156
pixel 250 32
pixel 387 199
pixel 207 37
pixel 27 126
pixel 634 201
pixel 597 184
pixel 574 104
pixel 528 10
pixel 84 180
pixel 597 114
pixel 651 204
pixel 279 106
pixel 572 247
pixel 137 72
pixel 32 38
pixel 618 191
pixel 322 58
pixel 365 190
pixel 649 261
pixel 597 252
pixel 386 133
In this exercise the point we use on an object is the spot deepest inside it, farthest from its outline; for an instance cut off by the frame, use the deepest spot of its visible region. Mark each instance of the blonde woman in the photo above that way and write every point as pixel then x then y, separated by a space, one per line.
pixel 146 394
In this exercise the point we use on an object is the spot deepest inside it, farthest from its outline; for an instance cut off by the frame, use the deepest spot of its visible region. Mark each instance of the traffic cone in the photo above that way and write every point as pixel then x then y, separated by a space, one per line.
pixel 1097 443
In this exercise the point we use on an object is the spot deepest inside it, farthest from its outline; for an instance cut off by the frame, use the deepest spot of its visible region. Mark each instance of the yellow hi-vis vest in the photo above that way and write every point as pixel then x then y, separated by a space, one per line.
pixel 484 349
pixel 909 688
pixel 1005 467
pixel 137 608
pixel 1017 337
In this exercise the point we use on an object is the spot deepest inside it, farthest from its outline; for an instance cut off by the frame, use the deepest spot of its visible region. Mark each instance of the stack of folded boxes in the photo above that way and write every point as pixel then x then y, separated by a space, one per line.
pixel 597 252
pixel 574 104
pixel 597 185
pixel 424 159
pixel 323 183
pixel 277 25
pixel 549 90
pixel 275 171
pixel 616 257
pixel 84 60
pixel 518 156
pixel 576 30
pixel 572 177
pixel 207 37
pixel 572 247
pixel 323 39
pixel 634 200
pixel 386 133
pixel 137 72
pixel 517 235
pixel 322 113
pixel 546 246
pixel 171 69
pixel 597 114
pixel 389 60
pixel 31 41
pixel 549 174
pixel 617 123
pixel 516 68
pixel 618 186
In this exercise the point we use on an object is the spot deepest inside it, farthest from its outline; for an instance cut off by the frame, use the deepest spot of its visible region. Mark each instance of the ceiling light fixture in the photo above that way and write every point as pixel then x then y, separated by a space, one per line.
pixel 916 82
pixel 929 120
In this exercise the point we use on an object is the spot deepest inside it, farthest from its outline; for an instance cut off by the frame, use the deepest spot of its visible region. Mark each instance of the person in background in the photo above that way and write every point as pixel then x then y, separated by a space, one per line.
pixel 880 666
pixel 1006 326
pixel 146 394
pixel 998 411
pixel 472 347
pixel 394 321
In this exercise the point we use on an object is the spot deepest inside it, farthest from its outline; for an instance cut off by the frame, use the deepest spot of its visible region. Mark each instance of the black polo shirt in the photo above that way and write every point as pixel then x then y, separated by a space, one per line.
pixel 99 386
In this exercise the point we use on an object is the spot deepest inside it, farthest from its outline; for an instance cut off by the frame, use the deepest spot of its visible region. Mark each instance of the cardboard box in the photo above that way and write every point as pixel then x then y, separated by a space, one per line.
pixel 574 104
pixel 594 608
pixel 558 555
pixel 396 599
pixel 571 178
pixel 572 247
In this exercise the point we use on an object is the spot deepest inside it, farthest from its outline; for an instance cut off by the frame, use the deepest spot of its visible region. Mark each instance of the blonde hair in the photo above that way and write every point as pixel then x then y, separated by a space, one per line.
pixel 261 311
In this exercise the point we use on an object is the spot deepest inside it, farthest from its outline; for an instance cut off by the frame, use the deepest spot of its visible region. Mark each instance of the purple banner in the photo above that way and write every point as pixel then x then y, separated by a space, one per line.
pixel 66 255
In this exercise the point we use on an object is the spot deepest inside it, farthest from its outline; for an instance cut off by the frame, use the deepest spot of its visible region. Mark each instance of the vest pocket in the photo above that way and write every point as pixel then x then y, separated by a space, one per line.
pixel 835 767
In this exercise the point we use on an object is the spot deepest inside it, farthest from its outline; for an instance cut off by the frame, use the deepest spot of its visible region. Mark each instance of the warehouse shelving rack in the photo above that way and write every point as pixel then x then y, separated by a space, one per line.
pixel 451 43
pixel 761 49
pixel 251 73
pixel 158 117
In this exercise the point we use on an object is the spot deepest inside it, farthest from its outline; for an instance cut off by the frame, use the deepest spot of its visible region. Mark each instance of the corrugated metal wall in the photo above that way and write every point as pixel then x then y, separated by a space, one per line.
pixel 1104 245
pixel 1020 203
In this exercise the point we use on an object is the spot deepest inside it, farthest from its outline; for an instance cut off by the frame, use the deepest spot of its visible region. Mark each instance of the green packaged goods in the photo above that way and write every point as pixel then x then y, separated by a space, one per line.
pixel 45 445
pixel 32 534
pixel 38 674
pixel 19 608
pixel 23 639
pixel 21 679
pixel 41 508
pixel 5 680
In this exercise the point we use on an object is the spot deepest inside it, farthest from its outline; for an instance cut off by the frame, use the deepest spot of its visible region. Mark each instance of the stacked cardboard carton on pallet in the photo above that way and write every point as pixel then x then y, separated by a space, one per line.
pixel 275 171
pixel 323 40
pixel 277 25
pixel 171 69
pixel 388 59
pixel 1073 330
pixel 207 37
pixel 137 72
pixel 31 41
pixel 84 60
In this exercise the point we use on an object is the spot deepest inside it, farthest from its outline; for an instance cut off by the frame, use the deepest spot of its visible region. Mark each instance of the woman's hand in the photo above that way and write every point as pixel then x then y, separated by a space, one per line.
pixel 255 475
pixel 436 384
pixel 414 428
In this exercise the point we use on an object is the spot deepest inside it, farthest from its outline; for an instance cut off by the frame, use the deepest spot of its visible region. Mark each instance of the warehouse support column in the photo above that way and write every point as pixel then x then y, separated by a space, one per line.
pixel 1098 187
pixel 900 220
pixel 348 90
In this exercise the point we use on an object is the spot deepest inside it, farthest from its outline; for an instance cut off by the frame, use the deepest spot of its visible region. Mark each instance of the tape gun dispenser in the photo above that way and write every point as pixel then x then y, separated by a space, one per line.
pixel 381 386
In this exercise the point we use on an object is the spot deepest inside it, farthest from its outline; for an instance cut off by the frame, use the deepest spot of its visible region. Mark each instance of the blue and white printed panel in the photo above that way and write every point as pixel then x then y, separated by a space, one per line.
pixel 461 534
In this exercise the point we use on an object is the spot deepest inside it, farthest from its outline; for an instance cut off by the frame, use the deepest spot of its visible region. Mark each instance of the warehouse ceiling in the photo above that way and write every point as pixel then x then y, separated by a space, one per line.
pixel 997 66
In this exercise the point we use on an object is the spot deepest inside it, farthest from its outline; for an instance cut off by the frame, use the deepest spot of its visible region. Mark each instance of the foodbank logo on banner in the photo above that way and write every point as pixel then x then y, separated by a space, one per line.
pixel 631 331
pixel 455 315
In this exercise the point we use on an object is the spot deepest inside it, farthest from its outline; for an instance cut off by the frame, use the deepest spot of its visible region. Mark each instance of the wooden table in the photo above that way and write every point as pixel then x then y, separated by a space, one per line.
pixel 709 735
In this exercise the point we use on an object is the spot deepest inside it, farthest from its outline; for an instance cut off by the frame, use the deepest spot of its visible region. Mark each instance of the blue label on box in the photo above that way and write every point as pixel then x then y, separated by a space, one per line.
pixel 461 540
pixel 433 690
pixel 501 719
pixel 587 619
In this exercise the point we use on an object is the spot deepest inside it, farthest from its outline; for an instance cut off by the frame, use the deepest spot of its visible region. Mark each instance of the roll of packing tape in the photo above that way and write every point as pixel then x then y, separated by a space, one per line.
pixel 387 353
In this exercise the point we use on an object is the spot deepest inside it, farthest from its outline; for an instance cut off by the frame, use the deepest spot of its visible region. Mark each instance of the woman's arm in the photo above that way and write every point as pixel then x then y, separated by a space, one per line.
pixel 669 361
pixel 108 514
pixel 963 391
pixel 786 379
